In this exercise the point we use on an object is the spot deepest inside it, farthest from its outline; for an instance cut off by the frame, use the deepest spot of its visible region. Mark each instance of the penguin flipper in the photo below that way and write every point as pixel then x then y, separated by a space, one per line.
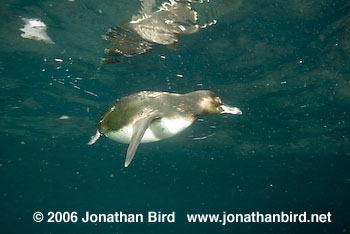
pixel 138 131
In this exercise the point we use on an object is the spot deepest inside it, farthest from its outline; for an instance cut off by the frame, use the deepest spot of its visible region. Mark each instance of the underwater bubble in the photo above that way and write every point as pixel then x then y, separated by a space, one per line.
pixel 64 117
pixel 35 29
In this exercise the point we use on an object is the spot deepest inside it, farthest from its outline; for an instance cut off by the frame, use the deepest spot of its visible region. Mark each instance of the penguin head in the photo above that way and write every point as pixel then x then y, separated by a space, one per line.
pixel 210 103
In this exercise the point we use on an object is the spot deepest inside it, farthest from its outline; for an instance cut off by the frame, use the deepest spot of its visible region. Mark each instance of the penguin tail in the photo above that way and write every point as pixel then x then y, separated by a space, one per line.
pixel 94 138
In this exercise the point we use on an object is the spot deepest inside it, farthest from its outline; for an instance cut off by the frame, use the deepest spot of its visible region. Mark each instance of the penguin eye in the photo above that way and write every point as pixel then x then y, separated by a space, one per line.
pixel 218 101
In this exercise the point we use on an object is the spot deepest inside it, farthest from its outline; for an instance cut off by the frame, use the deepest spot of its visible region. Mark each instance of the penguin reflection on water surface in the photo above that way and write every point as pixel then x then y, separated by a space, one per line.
pixel 152 116
pixel 155 24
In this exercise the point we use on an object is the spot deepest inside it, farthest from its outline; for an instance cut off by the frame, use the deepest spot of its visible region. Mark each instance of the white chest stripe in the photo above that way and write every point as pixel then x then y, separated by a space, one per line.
pixel 157 131
pixel 175 126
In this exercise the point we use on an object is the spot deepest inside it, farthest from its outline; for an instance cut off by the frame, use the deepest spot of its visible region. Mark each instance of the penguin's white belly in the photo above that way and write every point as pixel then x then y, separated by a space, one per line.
pixel 158 130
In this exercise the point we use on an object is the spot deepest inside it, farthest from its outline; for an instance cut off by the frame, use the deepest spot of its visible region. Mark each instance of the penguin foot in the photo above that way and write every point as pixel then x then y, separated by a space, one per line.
pixel 94 138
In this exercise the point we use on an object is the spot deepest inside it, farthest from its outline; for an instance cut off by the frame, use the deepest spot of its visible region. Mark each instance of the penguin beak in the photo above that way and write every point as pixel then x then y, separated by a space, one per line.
pixel 230 110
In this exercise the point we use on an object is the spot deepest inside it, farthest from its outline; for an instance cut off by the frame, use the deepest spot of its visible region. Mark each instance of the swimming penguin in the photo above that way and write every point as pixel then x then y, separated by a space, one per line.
pixel 152 116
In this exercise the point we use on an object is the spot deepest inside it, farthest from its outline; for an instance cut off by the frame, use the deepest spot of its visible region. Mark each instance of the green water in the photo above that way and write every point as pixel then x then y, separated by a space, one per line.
pixel 285 64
